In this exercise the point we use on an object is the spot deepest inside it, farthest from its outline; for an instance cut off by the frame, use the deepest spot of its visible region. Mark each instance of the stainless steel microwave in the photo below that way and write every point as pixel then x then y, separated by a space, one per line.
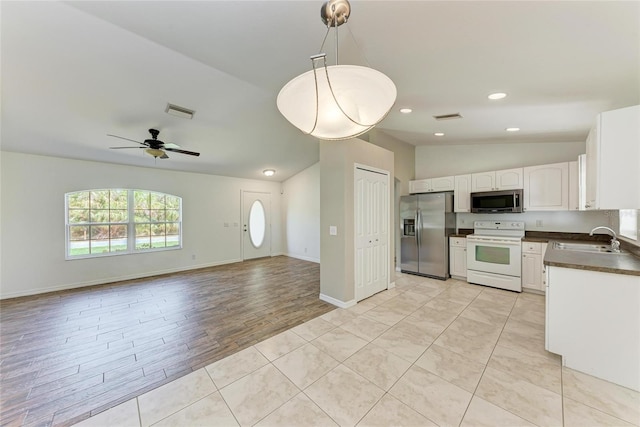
pixel 505 201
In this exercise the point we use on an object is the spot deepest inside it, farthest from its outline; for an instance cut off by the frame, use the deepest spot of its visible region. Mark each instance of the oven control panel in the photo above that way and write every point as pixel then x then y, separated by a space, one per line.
pixel 498 225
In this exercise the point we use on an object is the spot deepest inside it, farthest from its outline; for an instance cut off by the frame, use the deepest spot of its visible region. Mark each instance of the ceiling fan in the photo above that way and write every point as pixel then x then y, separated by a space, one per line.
pixel 155 147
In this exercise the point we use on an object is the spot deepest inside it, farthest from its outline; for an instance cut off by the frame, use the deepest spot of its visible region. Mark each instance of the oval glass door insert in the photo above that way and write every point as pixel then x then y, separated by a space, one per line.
pixel 257 223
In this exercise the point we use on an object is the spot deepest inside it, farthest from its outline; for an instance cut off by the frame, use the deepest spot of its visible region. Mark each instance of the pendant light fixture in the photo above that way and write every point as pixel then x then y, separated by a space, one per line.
pixel 338 101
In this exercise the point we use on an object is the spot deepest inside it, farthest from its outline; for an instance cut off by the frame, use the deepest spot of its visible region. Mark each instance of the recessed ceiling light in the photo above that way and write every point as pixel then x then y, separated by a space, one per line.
pixel 269 172
pixel 497 95
pixel 512 129
pixel 439 134
pixel 405 110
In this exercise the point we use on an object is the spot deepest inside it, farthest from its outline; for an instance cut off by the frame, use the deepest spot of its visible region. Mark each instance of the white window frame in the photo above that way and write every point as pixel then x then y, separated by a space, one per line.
pixel 630 230
pixel 131 226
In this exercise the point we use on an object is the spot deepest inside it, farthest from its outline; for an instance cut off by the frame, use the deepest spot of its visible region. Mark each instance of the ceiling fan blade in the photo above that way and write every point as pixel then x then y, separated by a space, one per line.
pixel 164 156
pixel 126 139
pixel 191 153
pixel 117 148
pixel 171 145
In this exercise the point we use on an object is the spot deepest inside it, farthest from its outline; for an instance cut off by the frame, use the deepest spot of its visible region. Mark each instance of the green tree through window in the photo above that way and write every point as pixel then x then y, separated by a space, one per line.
pixel 104 222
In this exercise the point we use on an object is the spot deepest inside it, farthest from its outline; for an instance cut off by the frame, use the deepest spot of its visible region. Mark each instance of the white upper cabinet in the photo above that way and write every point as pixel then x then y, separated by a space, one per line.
pixel 613 160
pixel 431 185
pixel 483 181
pixel 546 187
pixel 443 184
pixel 508 179
pixel 574 186
pixel 462 193
pixel 419 186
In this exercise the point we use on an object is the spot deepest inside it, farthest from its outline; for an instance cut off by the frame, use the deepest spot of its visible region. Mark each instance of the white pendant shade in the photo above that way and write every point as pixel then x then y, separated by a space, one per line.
pixel 363 94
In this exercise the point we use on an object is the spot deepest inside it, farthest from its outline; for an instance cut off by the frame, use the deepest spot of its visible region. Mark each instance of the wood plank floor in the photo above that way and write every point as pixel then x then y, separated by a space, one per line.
pixel 70 354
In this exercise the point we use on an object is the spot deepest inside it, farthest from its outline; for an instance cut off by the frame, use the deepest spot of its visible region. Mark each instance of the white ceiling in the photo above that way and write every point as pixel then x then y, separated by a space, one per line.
pixel 74 72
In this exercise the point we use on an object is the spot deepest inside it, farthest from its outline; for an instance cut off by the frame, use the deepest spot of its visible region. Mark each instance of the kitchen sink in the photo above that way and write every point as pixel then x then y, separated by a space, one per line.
pixel 585 247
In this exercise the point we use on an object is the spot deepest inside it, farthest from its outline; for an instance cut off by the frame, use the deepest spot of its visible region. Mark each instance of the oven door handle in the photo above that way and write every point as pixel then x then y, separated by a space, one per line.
pixel 494 241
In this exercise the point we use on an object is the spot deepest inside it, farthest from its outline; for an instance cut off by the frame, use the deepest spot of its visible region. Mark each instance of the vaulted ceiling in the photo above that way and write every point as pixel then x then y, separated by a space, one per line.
pixel 73 72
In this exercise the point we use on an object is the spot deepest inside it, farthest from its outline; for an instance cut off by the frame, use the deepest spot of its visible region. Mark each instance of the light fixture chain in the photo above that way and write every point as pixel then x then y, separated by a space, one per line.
pixel 324 39
pixel 336 25
pixel 358 48
pixel 315 79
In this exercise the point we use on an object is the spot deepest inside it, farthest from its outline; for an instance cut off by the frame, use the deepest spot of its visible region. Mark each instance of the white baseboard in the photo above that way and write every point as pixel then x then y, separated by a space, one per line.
pixel 105 280
pixel 398 269
pixel 304 258
pixel 337 302
pixel 391 285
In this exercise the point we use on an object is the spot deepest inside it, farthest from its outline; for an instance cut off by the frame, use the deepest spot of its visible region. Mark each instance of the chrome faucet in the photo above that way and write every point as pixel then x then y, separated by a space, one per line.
pixel 615 244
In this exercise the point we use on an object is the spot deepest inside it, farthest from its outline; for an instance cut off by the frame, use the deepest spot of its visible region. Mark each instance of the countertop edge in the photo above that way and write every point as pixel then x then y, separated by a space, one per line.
pixel 593 262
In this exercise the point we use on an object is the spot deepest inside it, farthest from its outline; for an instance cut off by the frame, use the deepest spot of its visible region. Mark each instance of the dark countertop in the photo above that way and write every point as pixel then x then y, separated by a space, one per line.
pixel 545 236
pixel 624 263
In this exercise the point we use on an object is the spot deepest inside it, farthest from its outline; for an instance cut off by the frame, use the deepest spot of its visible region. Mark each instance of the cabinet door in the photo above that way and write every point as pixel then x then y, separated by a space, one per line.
pixel 618 177
pixel 546 187
pixel 531 271
pixel 509 179
pixel 582 181
pixel 484 181
pixel 445 183
pixel 420 186
pixel 591 169
pixel 461 195
pixel 543 269
pixel 574 186
pixel 458 261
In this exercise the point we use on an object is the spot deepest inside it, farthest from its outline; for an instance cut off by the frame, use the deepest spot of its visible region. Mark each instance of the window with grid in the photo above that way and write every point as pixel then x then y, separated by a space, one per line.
pixel 157 220
pixel 116 221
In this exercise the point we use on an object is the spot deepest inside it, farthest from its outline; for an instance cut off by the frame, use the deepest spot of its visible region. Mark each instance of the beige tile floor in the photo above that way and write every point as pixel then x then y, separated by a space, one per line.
pixel 425 353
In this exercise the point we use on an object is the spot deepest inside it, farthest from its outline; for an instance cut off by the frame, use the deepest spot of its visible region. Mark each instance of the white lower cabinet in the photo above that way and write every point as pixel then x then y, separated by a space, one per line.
pixel 533 272
pixel 592 322
pixel 458 257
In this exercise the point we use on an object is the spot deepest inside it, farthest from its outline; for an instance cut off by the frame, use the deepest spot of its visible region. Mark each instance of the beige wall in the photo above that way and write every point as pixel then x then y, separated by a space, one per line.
pixel 446 160
pixel 404 157
pixel 337 163
pixel 33 222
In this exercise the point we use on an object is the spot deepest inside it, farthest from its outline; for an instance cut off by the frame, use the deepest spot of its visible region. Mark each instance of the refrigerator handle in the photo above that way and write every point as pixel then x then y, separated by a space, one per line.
pixel 418 223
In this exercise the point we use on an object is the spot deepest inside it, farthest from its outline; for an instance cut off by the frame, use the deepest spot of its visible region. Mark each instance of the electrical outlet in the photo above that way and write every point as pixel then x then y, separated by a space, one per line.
pixel 193 257
pixel 539 223
pixel 305 250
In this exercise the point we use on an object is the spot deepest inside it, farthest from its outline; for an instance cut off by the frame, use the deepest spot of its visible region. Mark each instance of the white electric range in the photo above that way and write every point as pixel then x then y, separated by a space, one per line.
pixel 494 254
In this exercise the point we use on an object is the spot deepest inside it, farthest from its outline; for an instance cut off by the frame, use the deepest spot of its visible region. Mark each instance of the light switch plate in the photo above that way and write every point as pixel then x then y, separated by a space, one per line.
pixel 333 230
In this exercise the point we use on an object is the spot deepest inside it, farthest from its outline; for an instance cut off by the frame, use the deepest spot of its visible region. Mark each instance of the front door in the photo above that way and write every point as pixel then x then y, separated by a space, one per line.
pixel 372 232
pixel 256 234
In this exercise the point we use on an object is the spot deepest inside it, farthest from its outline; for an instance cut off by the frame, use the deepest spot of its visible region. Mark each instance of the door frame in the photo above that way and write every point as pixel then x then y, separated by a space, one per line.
pixel 387 175
pixel 242 217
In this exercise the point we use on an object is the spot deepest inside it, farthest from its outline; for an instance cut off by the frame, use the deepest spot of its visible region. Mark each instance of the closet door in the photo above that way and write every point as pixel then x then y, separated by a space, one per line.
pixel 371 220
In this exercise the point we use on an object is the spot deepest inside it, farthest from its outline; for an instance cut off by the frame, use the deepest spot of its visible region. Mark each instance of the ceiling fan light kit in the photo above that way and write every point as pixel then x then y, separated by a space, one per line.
pixel 155 147
pixel 339 101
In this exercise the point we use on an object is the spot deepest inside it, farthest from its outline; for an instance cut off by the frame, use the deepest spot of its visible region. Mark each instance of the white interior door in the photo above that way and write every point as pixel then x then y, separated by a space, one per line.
pixel 372 232
pixel 256 217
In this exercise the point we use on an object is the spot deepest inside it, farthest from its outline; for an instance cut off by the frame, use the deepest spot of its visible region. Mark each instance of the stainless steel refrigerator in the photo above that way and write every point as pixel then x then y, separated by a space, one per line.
pixel 427 220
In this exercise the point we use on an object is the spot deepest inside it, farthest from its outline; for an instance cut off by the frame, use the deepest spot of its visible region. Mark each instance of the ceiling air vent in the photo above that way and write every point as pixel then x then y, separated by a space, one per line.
pixel 178 111
pixel 448 116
